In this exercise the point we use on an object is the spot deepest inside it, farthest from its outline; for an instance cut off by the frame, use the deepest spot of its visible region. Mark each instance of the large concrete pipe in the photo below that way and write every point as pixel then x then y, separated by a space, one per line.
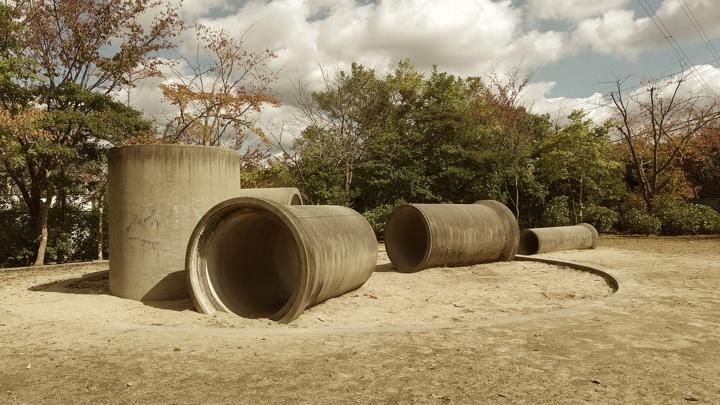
pixel 539 240
pixel 283 195
pixel 157 193
pixel 420 236
pixel 261 259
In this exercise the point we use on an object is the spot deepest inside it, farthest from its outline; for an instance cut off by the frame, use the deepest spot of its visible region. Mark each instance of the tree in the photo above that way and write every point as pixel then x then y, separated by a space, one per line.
pixel 341 119
pixel 216 92
pixel 702 161
pixel 515 136
pixel 82 52
pixel 657 126
pixel 576 161
pixel 394 167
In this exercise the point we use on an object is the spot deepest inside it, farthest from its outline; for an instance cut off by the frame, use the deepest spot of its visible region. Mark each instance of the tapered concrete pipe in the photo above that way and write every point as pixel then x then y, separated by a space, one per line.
pixel 261 259
pixel 283 195
pixel 157 193
pixel 540 240
pixel 420 236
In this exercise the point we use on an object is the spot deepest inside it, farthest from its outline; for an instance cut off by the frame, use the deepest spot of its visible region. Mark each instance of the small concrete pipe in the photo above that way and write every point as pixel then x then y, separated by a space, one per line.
pixel 261 259
pixel 156 195
pixel 540 240
pixel 420 236
pixel 283 195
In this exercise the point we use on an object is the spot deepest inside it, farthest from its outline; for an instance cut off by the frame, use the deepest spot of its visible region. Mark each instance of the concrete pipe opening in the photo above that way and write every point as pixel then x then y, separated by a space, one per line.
pixel 407 237
pixel 529 243
pixel 259 258
pixel 253 263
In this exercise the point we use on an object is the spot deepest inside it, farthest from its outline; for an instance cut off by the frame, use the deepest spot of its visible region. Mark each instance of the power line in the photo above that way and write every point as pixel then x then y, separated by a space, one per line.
pixel 698 69
pixel 681 56
pixel 698 27
pixel 680 53
pixel 671 128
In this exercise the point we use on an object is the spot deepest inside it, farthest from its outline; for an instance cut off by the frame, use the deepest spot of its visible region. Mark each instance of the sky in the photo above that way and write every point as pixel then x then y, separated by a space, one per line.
pixel 577 49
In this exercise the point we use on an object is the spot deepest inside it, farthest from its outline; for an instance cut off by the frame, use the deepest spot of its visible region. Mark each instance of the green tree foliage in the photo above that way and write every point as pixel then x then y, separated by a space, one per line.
pixel 556 212
pixel 576 161
pixel 602 218
pixel 638 221
pixel 678 217
pixel 406 136
pixel 59 116
pixel 372 141
pixel 342 121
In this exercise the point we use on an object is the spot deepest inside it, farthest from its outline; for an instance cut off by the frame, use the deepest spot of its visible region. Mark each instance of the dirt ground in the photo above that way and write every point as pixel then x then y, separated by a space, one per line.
pixel 500 332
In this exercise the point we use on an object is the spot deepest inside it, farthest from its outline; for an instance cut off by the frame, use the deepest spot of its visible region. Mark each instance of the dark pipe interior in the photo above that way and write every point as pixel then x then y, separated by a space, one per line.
pixel 406 237
pixel 253 263
pixel 296 200
pixel 529 243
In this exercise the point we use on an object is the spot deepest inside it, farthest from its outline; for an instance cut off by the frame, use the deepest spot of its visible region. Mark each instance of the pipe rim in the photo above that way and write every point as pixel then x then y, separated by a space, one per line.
pixel 595 233
pixel 528 236
pixel 171 146
pixel 202 290
pixel 428 239
pixel 512 228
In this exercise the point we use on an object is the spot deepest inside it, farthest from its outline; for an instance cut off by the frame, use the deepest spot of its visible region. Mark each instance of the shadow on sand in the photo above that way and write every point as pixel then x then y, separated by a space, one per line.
pixel 99 283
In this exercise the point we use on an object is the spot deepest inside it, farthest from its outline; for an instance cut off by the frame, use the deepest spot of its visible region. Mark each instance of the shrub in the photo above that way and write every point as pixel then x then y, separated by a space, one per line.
pixel 708 219
pixel 602 218
pixel 633 200
pixel 556 212
pixel 639 221
pixel 679 218
pixel 378 216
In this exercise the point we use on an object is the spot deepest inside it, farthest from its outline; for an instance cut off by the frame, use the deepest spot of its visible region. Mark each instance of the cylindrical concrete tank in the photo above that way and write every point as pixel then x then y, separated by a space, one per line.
pixel 283 195
pixel 157 193
pixel 539 240
pixel 261 259
pixel 420 236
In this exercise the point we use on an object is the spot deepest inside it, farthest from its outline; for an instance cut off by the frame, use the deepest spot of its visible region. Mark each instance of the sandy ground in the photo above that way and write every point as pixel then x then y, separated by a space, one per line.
pixel 500 332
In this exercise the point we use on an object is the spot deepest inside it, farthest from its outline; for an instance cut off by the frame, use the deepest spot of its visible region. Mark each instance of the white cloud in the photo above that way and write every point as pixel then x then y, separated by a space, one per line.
pixel 570 10
pixel 621 33
pixel 465 37
pixel 536 98
pixel 701 81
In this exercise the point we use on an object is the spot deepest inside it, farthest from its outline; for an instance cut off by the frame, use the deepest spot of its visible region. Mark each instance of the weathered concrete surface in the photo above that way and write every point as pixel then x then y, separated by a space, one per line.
pixel 283 195
pixel 541 240
pixel 157 193
pixel 262 259
pixel 420 236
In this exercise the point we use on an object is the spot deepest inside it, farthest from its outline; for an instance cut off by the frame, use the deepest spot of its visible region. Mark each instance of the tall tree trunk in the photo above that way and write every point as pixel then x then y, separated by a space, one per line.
pixel 43 231
pixel 582 177
pixel 100 230
pixel 517 199
pixel 348 180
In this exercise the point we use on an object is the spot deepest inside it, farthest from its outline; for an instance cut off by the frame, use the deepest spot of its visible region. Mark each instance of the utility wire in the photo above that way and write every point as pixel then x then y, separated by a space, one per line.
pixel 671 128
pixel 680 53
pixel 698 69
pixel 699 29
